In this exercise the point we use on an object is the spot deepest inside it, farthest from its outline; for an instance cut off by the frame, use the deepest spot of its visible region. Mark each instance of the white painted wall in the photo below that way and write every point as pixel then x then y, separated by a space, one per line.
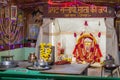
pixel 62 30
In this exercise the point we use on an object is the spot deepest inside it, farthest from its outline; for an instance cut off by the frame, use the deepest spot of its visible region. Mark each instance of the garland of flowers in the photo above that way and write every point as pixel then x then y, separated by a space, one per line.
pixel 45 51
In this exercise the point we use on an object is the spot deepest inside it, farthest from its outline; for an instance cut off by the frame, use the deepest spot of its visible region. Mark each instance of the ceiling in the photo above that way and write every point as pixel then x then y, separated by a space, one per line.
pixel 96 2
pixel 33 3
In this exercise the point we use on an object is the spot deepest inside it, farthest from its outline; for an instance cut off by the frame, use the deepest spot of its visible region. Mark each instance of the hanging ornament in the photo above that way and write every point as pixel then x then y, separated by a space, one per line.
pixel 86 23
pixel 99 34
pixel 75 35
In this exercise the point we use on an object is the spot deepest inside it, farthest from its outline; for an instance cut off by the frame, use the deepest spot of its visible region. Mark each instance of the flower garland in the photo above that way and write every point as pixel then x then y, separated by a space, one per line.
pixel 45 51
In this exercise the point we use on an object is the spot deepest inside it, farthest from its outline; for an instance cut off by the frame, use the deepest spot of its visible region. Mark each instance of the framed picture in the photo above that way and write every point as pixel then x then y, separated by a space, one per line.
pixel 33 31
pixel 13 12
pixel 7 12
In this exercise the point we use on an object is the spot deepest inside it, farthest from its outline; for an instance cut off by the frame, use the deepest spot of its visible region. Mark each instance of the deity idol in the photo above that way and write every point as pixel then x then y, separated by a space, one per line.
pixel 87 50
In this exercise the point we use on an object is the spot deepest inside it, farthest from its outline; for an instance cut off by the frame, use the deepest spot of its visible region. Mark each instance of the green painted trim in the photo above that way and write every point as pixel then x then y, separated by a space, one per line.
pixel 54 76
pixel 19 53
pixel 28 51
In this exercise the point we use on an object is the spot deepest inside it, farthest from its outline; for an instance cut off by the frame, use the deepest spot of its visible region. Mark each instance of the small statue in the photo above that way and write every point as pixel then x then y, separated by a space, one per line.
pixel 32 57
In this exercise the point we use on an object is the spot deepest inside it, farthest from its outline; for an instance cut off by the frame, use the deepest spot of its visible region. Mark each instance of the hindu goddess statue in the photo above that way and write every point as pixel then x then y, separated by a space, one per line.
pixel 87 50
